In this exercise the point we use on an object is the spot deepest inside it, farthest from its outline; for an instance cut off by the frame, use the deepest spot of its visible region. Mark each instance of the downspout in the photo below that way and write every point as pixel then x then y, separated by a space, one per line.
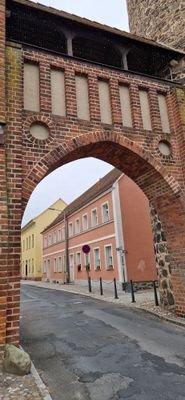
pixel 67 270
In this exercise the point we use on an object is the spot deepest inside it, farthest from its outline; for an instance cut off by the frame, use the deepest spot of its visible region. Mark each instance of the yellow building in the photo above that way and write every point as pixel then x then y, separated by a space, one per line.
pixel 31 241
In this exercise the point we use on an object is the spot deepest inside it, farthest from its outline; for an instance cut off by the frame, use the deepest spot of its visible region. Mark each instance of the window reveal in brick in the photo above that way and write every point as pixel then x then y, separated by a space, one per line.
pixel 58 93
pixel 31 87
pixel 164 113
pixel 82 97
pixel 145 110
pixel 105 103
pixel 125 106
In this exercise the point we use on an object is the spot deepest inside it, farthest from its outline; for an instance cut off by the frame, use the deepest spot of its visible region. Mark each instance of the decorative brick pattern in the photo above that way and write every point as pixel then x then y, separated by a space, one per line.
pixel 24 161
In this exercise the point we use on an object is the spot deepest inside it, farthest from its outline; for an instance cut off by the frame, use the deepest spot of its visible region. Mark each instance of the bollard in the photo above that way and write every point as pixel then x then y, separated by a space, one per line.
pixel 101 287
pixel 115 290
pixel 132 292
pixel 155 294
pixel 89 285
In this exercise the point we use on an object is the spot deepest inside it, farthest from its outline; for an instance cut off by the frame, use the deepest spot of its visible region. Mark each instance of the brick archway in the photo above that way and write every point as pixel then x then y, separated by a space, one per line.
pixel 130 144
pixel 162 190
pixel 115 149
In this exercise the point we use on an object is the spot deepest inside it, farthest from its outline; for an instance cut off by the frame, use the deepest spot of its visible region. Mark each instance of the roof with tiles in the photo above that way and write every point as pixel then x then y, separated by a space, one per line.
pixel 91 194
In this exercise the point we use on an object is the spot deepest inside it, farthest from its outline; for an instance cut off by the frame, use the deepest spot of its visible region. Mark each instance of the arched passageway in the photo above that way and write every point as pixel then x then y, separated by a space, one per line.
pixel 117 116
pixel 162 191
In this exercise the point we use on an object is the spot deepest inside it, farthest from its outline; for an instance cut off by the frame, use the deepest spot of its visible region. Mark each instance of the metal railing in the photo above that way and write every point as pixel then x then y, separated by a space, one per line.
pixel 130 288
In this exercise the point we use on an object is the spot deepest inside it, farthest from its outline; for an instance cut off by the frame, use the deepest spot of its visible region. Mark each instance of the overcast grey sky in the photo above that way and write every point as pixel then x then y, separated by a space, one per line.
pixel 69 181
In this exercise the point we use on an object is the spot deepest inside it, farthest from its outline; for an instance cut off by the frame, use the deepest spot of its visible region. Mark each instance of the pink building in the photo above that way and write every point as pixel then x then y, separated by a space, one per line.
pixel 113 218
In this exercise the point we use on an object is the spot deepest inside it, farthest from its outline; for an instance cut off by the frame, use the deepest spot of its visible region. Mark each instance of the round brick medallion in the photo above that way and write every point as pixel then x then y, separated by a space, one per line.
pixel 39 131
pixel 165 148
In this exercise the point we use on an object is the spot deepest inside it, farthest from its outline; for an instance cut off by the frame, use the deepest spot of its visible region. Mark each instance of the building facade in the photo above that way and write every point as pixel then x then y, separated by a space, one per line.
pixel 31 241
pixel 108 219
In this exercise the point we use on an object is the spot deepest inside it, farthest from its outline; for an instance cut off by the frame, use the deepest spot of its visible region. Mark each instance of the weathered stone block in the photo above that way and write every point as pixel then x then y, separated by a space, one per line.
pixel 16 361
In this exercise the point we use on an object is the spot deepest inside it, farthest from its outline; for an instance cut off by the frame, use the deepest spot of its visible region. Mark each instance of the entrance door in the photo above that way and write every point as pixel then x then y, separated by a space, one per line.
pixel 71 267
pixel 26 269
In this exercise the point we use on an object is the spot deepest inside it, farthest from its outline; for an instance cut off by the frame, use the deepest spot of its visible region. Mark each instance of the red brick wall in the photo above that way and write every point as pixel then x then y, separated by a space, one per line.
pixel 3 188
pixel 133 150
pixel 2 61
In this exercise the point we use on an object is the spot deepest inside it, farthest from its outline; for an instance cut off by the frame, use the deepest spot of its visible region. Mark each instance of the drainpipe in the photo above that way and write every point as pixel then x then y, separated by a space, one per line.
pixel 67 270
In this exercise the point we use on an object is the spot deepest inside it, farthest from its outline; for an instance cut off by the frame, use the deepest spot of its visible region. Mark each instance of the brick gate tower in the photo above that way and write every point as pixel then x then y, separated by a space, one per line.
pixel 161 20
pixel 71 88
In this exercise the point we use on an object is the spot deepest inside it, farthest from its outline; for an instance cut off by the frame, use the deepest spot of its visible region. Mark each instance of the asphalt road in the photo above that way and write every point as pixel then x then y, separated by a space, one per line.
pixel 87 349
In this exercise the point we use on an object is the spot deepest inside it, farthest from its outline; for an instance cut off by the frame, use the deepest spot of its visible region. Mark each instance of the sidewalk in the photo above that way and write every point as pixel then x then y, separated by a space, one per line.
pixel 31 387
pixel 28 387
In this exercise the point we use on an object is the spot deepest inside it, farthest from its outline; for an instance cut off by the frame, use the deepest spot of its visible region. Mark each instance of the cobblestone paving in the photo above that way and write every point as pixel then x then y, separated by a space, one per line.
pixel 13 387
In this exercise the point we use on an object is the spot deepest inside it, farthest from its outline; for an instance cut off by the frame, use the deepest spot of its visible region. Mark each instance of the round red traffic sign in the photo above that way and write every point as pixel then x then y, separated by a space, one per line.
pixel 86 248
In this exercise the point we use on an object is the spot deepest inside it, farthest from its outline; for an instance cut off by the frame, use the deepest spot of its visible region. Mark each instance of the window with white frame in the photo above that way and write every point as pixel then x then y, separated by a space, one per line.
pixel 70 229
pixel 77 226
pixel 44 267
pixel 94 217
pixel 85 222
pixel 54 237
pixel 59 235
pixel 32 266
pixel 60 264
pixel 108 257
pixel 63 233
pixel 49 240
pixel 87 261
pixel 97 258
pixel 33 241
pixel 45 241
pixel 105 212
pixel 78 259
pixel 55 265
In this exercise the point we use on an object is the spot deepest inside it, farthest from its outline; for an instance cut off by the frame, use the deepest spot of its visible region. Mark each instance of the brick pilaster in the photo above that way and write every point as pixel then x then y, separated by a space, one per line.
pixel 13 165
pixel 2 61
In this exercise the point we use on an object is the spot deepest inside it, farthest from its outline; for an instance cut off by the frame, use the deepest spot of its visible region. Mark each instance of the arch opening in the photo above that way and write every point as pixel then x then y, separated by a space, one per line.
pixel 161 190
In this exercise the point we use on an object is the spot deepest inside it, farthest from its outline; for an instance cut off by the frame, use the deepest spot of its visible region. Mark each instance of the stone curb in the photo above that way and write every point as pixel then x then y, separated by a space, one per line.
pixel 43 390
pixel 40 384
pixel 160 316
pixel 163 317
